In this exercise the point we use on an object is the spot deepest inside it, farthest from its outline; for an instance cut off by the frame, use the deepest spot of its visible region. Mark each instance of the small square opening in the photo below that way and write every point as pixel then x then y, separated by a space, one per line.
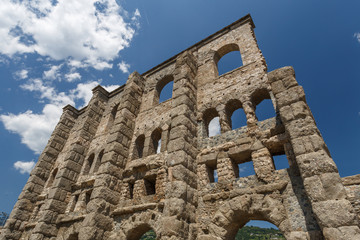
pixel 280 161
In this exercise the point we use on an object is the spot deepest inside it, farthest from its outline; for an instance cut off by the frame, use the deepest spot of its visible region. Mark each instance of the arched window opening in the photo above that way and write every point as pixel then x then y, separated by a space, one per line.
pixel 164 89
pixel 112 117
pixel 155 142
pixel 142 232
pixel 149 235
pixel 235 114
pixel 88 164
pixel 98 161
pixel 52 177
pixel 228 58
pixel 139 147
pixel 264 108
pixel 212 122
pixel 256 229
pixel 74 236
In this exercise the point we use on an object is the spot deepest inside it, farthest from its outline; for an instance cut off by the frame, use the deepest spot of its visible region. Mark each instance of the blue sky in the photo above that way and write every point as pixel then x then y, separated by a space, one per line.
pixel 53 53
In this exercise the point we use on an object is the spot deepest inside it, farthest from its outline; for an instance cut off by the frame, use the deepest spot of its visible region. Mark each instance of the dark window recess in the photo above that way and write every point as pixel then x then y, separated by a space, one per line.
pixel 131 190
pixel 150 186
pixel 212 172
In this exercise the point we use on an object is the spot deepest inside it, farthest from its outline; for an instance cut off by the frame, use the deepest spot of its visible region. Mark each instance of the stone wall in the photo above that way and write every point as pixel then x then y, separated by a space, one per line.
pixel 127 163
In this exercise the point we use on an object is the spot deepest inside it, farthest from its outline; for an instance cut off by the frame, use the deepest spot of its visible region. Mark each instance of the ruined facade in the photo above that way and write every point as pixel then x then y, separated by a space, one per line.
pixel 126 163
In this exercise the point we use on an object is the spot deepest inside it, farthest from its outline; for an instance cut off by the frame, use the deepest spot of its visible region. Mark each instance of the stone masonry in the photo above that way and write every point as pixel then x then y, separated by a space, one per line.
pixel 125 163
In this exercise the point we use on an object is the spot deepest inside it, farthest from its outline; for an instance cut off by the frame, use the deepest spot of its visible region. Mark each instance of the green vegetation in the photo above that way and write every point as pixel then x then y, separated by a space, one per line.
pixel 245 233
pixel 149 235
pixel 257 233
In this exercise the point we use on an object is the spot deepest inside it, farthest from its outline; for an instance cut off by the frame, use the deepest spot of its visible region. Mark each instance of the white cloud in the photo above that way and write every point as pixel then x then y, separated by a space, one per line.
pixel 124 67
pixel 111 88
pixel 53 73
pixel 357 36
pixel 214 127
pixel 91 32
pixel 22 74
pixel 35 128
pixel 24 167
pixel 70 77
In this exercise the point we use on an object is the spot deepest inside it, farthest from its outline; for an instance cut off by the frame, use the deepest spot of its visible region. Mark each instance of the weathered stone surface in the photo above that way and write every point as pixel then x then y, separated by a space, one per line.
pixel 127 163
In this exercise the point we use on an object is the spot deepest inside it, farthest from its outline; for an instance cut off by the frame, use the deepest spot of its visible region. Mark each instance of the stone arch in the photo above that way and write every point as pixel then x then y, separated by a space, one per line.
pixel 231 106
pixel 138 150
pixel 155 142
pixel 235 213
pixel 224 50
pixel 208 115
pixel 160 86
pixel 112 116
pixel 258 96
pixel 88 164
pixel 133 226
pixel 52 177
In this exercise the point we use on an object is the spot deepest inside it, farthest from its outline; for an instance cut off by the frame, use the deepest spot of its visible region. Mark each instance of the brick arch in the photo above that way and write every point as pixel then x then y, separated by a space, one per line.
pixel 235 213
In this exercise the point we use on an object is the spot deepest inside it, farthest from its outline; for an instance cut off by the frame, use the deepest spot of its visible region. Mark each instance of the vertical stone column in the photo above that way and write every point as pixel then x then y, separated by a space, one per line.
pixel 55 203
pixel 179 209
pixel 107 186
pixel 27 200
pixel 335 214
pixel 226 171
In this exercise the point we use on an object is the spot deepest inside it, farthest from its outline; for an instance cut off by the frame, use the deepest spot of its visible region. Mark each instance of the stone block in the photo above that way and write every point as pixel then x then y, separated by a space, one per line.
pixel 334 213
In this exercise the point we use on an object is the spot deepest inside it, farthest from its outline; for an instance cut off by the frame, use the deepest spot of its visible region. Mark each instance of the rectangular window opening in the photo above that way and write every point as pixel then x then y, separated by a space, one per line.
pixel 150 184
pixel 280 161
pixel 88 196
pixel 212 172
pixel 131 190
pixel 245 169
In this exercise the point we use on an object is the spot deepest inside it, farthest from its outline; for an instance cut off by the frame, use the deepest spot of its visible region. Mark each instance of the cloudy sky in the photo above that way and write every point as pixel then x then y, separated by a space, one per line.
pixel 52 53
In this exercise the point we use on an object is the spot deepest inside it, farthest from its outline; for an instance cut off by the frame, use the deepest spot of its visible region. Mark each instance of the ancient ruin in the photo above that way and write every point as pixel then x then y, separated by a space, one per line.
pixel 127 163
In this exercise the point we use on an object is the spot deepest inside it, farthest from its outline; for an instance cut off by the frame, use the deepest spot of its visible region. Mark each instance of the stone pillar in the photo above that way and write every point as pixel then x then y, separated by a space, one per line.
pixel 39 175
pixel 226 171
pixel 107 187
pixel 179 210
pixel 335 214
pixel 55 203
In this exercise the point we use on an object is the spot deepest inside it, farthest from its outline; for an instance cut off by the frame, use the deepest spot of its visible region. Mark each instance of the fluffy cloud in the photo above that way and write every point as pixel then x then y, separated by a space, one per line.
pixel 35 128
pixel 89 32
pixel 24 167
pixel 53 73
pixel 70 77
pixel 357 36
pixel 214 127
pixel 22 74
pixel 124 67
